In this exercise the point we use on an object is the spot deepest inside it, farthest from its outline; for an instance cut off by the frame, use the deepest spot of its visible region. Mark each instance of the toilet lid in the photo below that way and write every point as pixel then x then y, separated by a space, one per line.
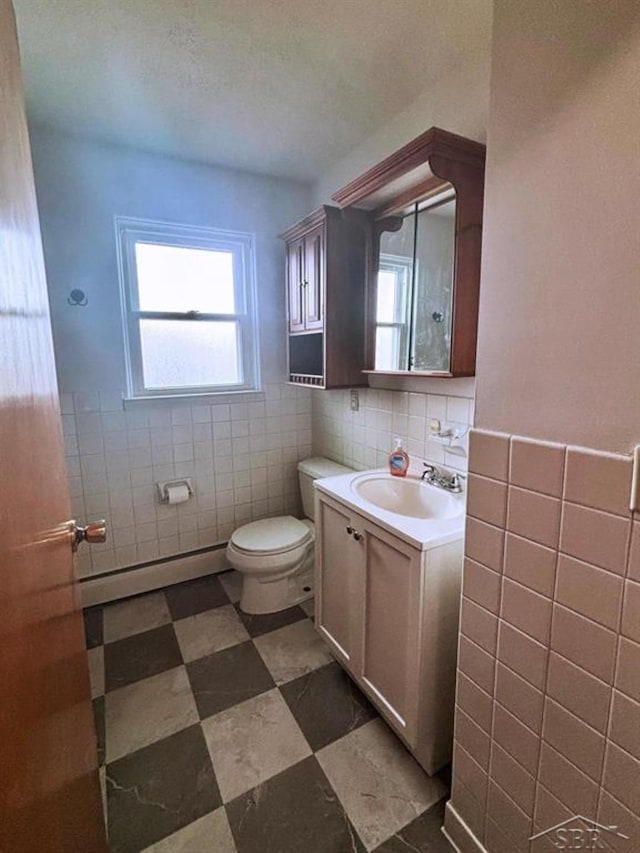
pixel 271 535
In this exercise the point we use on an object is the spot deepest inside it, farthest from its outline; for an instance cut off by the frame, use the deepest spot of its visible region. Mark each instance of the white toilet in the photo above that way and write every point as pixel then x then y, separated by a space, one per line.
pixel 275 555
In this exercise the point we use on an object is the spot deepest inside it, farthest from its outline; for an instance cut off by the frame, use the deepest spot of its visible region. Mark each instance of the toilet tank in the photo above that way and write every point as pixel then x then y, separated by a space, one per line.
pixel 313 469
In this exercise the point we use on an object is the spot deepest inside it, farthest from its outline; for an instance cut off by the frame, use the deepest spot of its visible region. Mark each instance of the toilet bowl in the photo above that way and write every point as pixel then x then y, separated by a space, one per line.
pixel 275 556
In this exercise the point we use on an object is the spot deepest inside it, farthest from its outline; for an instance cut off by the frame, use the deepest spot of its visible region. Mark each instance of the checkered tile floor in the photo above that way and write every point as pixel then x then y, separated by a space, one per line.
pixel 228 733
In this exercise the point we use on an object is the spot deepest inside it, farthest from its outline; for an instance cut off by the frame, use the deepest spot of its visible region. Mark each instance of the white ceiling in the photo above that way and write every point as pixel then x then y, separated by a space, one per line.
pixel 283 87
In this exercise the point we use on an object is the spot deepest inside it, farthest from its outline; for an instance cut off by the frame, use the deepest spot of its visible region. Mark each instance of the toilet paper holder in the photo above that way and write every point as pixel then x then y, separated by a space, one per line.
pixel 163 487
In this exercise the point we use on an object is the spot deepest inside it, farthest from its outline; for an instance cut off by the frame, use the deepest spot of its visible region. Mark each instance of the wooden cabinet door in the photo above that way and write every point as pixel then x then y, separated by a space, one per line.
pixel 313 290
pixel 338 587
pixel 295 279
pixel 391 626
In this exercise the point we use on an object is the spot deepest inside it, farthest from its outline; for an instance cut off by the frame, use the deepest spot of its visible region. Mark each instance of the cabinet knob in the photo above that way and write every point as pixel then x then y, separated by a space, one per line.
pixel 357 536
pixel 349 529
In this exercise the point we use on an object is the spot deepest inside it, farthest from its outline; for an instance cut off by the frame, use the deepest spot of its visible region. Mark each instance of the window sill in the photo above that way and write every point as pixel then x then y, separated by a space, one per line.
pixel 246 395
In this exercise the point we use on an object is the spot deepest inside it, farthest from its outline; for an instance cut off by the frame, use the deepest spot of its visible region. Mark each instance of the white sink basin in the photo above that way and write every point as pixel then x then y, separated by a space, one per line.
pixel 410 497
pixel 423 515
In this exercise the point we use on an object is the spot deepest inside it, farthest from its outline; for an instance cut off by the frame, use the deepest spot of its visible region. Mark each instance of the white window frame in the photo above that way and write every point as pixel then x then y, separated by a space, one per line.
pixel 399 265
pixel 130 231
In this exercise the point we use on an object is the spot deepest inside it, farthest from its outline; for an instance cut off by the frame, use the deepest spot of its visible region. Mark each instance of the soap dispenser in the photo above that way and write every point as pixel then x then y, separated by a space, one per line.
pixel 398 460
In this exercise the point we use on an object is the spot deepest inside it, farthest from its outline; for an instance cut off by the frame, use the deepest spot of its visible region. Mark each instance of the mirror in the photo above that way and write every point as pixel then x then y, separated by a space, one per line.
pixel 414 294
pixel 421 208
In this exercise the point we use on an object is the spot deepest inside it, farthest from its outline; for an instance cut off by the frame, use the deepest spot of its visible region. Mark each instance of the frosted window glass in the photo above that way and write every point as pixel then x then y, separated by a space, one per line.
pixel 174 278
pixel 387 344
pixel 189 353
pixel 387 296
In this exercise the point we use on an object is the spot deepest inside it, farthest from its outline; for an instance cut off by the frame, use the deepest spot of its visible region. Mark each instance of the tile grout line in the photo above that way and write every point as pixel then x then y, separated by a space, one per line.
pixel 545 689
pixel 499 617
pixel 608 740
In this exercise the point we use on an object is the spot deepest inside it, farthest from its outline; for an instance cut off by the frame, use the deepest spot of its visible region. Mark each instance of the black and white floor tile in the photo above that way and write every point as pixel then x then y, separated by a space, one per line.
pixel 229 733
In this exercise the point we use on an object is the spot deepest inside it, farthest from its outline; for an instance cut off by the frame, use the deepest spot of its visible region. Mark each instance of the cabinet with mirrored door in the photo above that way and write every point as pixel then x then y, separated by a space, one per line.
pixel 424 206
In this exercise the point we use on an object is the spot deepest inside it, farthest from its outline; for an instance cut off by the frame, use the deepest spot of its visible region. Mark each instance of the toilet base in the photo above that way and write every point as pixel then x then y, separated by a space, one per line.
pixel 260 597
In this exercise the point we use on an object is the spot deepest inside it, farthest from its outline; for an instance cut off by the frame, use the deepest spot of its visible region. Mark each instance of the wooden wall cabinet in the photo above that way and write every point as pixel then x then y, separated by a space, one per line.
pixel 437 325
pixel 305 280
pixel 325 287
pixel 389 613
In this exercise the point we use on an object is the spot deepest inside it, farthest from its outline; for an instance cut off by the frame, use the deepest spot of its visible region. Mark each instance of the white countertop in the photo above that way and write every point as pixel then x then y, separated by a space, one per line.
pixel 421 533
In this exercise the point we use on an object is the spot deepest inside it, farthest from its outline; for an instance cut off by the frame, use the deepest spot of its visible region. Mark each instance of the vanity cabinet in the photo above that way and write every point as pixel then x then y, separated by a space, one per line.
pixel 389 613
pixel 325 282
pixel 391 625
pixel 341 583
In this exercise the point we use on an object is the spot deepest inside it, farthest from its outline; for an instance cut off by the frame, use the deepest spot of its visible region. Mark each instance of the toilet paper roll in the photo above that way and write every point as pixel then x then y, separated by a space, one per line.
pixel 178 494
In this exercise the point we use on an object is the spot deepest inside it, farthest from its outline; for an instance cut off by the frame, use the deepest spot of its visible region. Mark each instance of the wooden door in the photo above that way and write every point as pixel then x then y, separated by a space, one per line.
pixel 49 789
pixel 391 627
pixel 313 290
pixel 338 586
pixel 295 280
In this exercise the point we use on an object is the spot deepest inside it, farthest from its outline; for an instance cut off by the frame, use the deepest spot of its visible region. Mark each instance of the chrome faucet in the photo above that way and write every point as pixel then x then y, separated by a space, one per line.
pixel 435 477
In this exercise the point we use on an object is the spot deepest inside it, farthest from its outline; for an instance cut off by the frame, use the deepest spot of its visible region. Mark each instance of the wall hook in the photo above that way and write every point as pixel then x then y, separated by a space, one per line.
pixel 77 297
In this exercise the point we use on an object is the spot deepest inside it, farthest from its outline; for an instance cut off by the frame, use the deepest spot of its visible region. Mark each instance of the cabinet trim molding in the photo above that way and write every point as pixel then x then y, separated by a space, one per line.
pixel 434 141
pixel 299 229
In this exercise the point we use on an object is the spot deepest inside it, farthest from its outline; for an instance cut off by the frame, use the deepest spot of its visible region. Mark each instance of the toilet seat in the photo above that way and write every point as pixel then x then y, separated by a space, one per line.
pixel 276 556
pixel 271 536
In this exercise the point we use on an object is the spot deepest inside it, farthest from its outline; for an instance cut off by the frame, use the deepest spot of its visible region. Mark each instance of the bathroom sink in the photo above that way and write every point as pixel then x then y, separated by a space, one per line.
pixel 406 496
pixel 421 514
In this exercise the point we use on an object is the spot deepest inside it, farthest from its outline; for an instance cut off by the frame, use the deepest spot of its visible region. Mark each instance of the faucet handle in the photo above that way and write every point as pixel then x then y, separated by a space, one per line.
pixel 455 481
pixel 428 469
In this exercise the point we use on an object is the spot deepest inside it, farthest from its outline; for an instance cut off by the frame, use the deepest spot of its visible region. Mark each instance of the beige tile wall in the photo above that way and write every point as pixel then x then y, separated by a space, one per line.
pixel 363 439
pixel 241 457
pixel 548 697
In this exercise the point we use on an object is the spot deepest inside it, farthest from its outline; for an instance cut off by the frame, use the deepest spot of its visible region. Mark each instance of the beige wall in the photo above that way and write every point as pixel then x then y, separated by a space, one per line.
pixel 549 651
pixel 559 339
pixel 82 185
pixel 458 103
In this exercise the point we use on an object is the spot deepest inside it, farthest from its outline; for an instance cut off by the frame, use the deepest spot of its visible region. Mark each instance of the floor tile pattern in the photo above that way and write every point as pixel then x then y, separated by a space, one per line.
pixel 229 733
pixel 135 615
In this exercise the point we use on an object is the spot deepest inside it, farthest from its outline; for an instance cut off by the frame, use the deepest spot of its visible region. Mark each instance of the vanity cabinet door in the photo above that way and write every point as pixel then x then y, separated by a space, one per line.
pixel 313 285
pixel 339 589
pixel 295 280
pixel 391 626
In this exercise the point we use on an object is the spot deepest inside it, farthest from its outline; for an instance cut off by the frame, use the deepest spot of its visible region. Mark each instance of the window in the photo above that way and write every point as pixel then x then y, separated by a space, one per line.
pixel 188 307
pixel 393 306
